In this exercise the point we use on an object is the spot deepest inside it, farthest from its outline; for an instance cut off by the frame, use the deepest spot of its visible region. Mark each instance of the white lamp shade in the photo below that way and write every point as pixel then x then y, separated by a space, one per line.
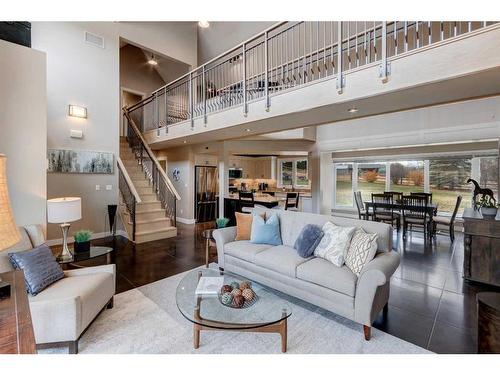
pixel 64 210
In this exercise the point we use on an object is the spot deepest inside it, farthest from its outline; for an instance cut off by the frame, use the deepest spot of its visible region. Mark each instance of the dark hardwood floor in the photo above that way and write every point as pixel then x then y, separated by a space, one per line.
pixel 430 304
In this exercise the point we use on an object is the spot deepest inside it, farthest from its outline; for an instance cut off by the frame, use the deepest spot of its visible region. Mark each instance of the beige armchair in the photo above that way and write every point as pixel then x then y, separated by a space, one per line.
pixel 63 311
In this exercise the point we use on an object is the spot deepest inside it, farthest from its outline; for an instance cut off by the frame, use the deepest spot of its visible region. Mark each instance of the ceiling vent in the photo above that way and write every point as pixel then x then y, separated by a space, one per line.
pixel 95 40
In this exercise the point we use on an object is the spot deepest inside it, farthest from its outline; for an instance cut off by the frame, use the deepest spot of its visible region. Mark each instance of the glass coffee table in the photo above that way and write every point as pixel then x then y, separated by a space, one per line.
pixel 268 314
pixel 95 251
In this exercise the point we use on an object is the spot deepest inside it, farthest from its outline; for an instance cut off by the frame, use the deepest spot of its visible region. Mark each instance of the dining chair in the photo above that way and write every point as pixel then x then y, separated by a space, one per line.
pixel 292 201
pixel 245 200
pixel 396 195
pixel 383 210
pixel 362 213
pixel 448 221
pixel 422 194
pixel 415 213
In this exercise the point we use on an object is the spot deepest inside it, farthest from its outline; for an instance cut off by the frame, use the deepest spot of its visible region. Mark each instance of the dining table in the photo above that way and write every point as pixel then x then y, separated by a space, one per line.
pixel 399 206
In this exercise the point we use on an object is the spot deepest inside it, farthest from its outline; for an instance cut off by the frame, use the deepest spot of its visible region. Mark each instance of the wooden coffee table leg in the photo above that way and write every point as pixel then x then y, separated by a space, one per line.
pixel 283 333
pixel 207 253
pixel 196 336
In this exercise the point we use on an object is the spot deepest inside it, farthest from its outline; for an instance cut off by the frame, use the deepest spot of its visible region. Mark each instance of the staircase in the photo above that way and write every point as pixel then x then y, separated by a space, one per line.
pixel 147 198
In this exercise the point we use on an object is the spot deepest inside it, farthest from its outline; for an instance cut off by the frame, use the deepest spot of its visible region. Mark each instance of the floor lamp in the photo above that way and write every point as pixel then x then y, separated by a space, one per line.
pixel 9 235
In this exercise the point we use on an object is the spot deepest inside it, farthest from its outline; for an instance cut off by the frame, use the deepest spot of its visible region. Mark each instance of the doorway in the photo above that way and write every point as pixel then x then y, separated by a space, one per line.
pixel 129 98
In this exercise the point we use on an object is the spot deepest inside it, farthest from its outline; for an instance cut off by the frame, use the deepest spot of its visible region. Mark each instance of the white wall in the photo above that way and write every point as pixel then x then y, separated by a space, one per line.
pixel 23 129
pixel 222 36
pixel 177 40
pixel 456 122
pixel 79 73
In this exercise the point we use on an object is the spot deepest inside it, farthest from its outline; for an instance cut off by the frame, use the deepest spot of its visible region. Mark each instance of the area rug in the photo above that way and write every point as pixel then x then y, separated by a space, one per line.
pixel 146 320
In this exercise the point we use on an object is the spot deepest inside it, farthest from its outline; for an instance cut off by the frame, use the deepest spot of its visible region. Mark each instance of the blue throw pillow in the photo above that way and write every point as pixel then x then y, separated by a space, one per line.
pixel 40 268
pixel 266 232
pixel 308 239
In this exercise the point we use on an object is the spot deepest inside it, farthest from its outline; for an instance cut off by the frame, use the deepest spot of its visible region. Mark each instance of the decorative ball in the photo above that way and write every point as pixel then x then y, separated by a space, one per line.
pixel 248 294
pixel 227 298
pixel 245 285
pixel 236 292
pixel 238 301
pixel 225 289
pixel 235 285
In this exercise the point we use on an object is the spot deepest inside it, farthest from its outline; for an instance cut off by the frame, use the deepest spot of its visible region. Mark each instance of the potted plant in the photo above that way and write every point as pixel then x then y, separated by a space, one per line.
pixel 221 222
pixel 82 241
pixel 488 206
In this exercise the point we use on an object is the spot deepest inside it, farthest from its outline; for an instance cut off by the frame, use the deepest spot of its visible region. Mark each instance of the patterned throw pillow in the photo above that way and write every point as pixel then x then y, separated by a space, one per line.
pixel 40 268
pixel 362 250
pixel 334 244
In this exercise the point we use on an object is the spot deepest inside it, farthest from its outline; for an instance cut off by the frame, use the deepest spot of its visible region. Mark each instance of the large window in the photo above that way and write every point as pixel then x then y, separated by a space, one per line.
pixel 371 179
pixel 294 173
pixel 447 180
pixel 407 176
pixel 444 177
pixel 343 182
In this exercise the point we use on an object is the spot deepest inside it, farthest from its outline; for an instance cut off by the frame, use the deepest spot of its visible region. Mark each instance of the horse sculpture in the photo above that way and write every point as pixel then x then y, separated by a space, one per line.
pixel 479 190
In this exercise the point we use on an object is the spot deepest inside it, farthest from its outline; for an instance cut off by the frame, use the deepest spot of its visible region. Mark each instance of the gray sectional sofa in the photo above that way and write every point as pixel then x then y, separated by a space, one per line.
pixel 315 280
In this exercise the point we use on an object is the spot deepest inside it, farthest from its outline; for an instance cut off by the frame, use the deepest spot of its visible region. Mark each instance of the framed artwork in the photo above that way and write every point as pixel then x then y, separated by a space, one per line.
pixel 78 161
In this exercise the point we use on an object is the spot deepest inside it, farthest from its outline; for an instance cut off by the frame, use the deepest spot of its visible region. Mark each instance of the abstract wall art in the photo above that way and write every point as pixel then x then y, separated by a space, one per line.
pixel 78 161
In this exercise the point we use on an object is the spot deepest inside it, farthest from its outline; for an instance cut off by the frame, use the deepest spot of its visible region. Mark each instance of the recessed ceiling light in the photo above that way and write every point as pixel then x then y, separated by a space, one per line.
pixel 352 110
pixel 203 24
pixel 248 130
pixel 153 61
pixel 184 141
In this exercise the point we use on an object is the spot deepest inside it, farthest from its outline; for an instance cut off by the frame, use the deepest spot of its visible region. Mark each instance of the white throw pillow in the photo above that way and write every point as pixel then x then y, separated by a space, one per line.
pixel 362 250
pixel 335 243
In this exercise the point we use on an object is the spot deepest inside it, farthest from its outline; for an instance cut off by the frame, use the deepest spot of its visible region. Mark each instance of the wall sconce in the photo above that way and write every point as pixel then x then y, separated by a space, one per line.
pixel 77 111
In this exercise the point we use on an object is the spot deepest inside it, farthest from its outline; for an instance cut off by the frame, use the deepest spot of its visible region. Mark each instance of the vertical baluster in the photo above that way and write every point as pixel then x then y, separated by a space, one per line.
pixel 349 44
pixel 429 28
pixel 441 31
pixel 340 83
pixel 455 28
pixel 356 57
pixel 325 67
pixel 166 110
pixel 266 70
pixel 332 55
pixel 304 67
pixel 406 36
pixel 365 43
pixel 190 92
pixel 469 26
pixel 417 35
pixel 317 49
pixel 245 109
pixel 204 95
pixel 395 37
pixel 383 71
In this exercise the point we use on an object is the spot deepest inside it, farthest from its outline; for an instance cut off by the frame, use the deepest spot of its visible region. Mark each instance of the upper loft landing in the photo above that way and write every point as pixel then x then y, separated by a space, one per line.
pixel 298 74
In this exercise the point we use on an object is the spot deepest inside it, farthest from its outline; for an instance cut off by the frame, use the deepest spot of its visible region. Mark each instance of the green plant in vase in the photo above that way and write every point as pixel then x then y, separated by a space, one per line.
pixel 82 241
pixel 221 222
pixel 488 206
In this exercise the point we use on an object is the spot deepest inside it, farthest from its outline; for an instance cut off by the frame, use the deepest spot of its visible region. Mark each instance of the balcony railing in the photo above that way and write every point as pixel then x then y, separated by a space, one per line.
pixel 283 57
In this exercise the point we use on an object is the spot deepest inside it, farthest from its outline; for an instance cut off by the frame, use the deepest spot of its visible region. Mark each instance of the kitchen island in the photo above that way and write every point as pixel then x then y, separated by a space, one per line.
pixel 231 204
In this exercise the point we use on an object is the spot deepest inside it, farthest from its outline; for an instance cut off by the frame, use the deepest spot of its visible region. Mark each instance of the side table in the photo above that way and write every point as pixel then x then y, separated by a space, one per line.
pixel 207 235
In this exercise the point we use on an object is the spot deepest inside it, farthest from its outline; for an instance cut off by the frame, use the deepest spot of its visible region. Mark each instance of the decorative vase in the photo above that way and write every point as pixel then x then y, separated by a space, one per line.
pixel 489 212
pixel 82 247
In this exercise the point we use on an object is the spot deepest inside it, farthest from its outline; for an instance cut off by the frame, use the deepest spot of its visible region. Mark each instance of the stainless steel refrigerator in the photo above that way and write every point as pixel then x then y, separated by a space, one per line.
pixel 206 193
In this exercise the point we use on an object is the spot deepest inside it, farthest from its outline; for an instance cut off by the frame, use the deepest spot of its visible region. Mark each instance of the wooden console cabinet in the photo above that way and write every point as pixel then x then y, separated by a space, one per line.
pixel 16 331
pixel 481 248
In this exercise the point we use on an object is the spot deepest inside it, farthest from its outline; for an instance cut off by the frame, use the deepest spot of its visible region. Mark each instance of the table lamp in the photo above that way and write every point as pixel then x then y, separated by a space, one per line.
pixel 9 235
pixel 63 211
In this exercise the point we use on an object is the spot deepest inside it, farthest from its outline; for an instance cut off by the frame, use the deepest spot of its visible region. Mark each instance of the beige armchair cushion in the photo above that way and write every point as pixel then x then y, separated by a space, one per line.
pixel 66 308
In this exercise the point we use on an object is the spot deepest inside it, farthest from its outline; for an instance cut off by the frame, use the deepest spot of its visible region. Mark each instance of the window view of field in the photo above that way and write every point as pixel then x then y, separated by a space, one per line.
pixel 301 173
pixel 447 180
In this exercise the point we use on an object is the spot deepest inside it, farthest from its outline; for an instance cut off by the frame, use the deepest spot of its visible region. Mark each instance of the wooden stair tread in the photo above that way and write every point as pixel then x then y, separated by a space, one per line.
pixel 167 229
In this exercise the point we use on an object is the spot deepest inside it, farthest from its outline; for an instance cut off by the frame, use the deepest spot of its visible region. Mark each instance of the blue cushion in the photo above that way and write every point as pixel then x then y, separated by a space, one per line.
pixel 266 232
pixel 309 237
pixel 40 268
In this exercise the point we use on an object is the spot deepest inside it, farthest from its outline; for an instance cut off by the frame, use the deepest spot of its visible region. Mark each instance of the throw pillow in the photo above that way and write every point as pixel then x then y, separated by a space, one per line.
pixel 309 237
pixel 40 268
pixel 244 225
pixel 362 250
pixel 266 232
pixel 335 243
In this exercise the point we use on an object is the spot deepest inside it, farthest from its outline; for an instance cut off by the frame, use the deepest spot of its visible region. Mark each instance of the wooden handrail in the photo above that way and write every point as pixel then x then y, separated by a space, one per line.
pixel 128 180
pixel 164 176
